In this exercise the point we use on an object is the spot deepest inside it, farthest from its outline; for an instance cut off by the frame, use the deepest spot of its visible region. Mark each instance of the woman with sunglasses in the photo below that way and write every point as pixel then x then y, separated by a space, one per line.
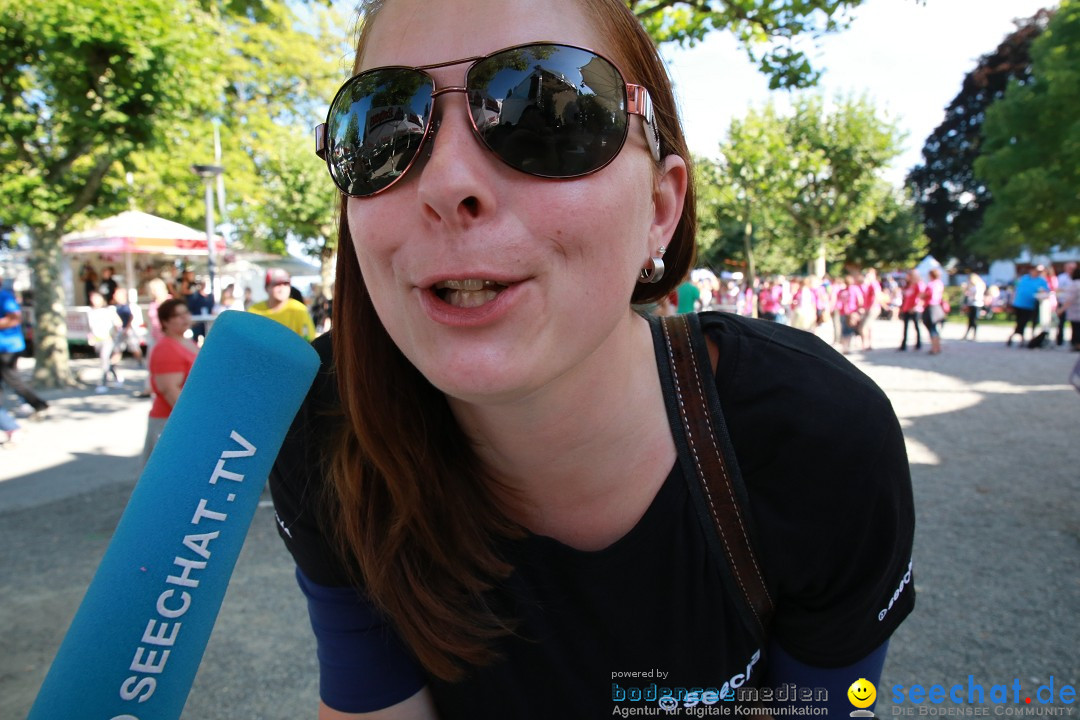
pixel 489 493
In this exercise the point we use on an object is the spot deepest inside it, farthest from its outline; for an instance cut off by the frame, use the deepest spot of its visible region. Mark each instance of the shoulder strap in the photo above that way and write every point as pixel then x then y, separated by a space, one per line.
pixel 709 465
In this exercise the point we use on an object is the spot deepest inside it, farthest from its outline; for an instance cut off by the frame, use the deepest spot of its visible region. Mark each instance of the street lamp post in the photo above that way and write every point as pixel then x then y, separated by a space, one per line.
pixel 208 173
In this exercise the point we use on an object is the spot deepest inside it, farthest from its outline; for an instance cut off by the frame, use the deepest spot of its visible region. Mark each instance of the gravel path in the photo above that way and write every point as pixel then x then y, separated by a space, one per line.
pixel 993 442
pixel 993 437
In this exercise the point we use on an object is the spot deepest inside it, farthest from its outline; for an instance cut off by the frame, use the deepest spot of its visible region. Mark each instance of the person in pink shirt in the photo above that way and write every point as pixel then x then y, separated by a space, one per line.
pixel 911 307
pixel 849 303
pixel 871 309
pixel 770 302
pixel 934 312
pixel 159 293
pixel 747 301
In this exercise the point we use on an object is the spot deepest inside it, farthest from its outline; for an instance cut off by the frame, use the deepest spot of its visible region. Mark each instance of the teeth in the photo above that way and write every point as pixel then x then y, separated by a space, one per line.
pixel 469 292
pixel 469 299
pixel 469 284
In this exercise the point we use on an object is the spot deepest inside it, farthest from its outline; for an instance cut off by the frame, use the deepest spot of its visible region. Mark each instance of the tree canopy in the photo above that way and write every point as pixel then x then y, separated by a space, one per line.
pixel 893 239
pixel 742 200
pixel 1031 152
pixel 801 186
pixel 838 188
pixel 84 85
pixel 951 197
pixel 108 104
pixel 767 29
pixel 279 75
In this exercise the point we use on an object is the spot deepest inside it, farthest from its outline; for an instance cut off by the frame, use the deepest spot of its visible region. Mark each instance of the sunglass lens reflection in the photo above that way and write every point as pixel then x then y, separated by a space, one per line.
pixel 549 110
pixel 376 127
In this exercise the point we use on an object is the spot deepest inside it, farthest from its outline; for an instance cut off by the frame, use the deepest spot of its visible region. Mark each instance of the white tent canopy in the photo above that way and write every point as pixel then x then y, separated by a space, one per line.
pixel 134 233
pixel 139 232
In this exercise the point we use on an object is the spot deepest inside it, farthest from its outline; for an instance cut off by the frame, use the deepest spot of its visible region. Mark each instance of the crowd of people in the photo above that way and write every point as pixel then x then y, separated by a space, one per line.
pixel 1046 301
pixel 842 310
pixel 172 327
pixel 179 323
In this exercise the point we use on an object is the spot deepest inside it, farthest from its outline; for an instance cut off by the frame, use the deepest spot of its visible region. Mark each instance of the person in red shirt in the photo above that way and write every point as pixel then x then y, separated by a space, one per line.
pixel 170 363
pixel 871 309
pixel 911 307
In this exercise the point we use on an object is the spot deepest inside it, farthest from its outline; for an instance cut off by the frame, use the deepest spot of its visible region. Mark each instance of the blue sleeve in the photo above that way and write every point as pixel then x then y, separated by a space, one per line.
pixel 8 303
pixel 363 665
pixel 785 670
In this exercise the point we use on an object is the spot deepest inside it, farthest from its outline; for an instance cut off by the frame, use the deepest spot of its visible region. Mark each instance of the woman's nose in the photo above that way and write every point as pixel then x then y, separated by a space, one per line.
pixel 457 180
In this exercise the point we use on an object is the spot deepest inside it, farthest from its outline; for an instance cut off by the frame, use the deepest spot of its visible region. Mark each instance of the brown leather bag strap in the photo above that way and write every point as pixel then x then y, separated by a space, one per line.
pixel 709 465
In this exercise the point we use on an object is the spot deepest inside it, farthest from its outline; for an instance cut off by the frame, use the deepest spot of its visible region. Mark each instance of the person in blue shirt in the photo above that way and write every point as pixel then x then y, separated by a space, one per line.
pixel 12 344
pixel 1026 301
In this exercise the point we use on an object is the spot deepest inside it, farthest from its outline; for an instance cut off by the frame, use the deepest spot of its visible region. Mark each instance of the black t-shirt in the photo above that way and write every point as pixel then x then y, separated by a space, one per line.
pixel 825 468
pixel 107 288
pixel 199 304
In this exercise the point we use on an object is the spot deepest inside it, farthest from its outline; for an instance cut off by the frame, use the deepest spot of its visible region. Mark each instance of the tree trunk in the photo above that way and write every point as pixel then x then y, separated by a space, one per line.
pixel 52 367
pixel 819 261
pixel 748 247
pixel 326 270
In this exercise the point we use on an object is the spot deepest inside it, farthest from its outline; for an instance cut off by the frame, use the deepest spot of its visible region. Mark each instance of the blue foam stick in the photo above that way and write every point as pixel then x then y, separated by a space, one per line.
pixel 135 644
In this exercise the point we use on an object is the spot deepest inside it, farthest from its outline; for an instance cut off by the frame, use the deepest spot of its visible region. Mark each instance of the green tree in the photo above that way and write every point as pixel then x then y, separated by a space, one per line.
pixel 1031 152
pixel 838 191
pixel 304 203
pixel 279 74
pixel 741 206
pixel 84 85
pixel 894 239
pixel 800 186
pixel 766 29
pixel 109 104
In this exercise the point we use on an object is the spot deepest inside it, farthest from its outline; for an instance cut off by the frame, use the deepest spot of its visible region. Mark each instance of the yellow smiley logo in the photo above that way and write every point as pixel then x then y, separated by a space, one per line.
pixel 862 693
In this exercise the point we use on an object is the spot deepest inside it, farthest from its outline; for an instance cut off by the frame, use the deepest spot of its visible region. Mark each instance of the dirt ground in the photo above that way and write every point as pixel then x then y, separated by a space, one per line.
pixel 993 437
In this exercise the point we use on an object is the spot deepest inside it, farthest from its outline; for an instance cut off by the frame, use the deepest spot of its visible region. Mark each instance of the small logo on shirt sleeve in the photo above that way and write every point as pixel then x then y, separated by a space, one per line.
pixel 904 582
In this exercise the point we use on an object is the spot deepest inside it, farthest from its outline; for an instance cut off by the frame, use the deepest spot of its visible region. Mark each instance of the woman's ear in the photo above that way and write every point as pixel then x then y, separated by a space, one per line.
pixel 669 195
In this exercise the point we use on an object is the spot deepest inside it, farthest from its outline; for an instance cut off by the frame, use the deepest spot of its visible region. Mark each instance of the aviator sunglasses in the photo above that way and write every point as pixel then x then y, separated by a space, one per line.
pixel 546 109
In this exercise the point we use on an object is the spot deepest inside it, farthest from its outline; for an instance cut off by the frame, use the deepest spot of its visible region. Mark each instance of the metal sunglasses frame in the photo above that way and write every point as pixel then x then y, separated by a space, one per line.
pixel 638 102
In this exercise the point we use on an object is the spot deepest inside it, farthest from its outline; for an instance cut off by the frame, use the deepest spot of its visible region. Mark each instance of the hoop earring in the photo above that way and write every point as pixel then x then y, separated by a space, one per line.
pixel 654 271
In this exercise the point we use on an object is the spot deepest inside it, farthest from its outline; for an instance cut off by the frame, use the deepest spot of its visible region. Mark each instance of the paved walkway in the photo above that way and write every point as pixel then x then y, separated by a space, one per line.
pixel 992 437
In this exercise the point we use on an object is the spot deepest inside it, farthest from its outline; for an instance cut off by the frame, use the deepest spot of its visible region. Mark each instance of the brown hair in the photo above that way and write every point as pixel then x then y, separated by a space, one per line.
pixel 410 501
pixel 168 308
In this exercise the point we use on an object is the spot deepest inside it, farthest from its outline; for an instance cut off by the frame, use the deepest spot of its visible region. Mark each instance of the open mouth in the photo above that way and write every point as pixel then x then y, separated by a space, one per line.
pixel 467 293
